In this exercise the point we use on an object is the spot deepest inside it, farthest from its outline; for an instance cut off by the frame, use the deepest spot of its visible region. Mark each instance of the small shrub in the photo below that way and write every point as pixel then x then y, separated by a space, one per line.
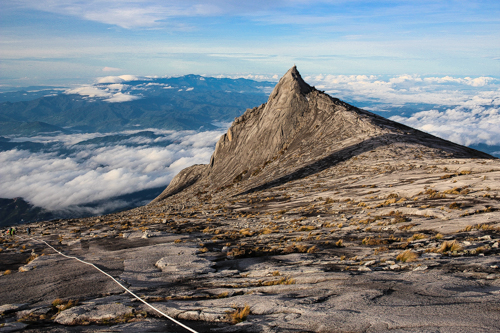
pixel 417 236
pixel 380 249
pixel 481 249
pixel 454 190
pixel 239 315
pixel 450 246
pixel 455 205
pixel 312 249
pixel 57 302
pixel 407 256
pixel 7 272
pixel 339 243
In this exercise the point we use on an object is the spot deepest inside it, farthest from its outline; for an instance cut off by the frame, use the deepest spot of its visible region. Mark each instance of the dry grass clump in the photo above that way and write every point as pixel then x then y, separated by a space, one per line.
pixel 450 246
pixel 416 237
pixel 339 243
pixel 283 280
pixel 312 249
pixel 239 315
pixel 380 250
pixel 61 305
pixel 457 190
pixel 246 232
pixel 481 249
pixel 455 205
pixel 407 256
pixel 31 258
pixel 479 227
pixel 7 272
pixel 398 217
pixel 265 231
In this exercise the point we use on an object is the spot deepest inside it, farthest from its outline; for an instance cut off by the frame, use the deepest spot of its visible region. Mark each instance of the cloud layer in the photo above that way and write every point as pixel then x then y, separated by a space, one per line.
pixel 403 89
pixel 464 110
pixel 463 125
pixel 92 173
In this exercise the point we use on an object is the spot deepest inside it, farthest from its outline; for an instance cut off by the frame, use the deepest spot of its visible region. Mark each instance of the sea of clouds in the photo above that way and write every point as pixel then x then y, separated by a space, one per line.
pixel 68 176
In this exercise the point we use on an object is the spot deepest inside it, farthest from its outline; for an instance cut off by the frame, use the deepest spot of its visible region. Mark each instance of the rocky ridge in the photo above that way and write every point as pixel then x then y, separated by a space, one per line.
pixel 380 229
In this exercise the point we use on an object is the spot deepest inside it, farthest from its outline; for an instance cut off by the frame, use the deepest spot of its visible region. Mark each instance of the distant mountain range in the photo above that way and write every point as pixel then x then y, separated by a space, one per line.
pixel 188 102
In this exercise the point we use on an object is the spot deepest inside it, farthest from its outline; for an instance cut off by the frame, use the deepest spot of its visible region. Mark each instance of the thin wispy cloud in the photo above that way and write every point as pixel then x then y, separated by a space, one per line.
pixel 48 40
pixel 111 69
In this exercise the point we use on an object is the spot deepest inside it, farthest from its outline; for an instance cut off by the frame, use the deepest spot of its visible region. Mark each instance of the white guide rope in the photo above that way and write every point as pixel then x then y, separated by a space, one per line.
pixel 131 293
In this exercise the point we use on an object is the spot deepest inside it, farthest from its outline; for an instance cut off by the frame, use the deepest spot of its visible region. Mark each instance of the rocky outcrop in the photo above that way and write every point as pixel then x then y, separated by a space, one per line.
pixel 300 127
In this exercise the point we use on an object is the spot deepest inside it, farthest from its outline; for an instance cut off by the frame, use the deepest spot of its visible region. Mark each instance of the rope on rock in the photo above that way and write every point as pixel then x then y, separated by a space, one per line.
pixel 127 290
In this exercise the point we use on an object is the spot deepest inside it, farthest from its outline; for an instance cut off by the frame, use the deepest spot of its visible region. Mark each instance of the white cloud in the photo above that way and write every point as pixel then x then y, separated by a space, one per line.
pixel 98 173
pixel 462 125
pixel 110 69
pixel 90 91
pixel 111 93
pixel 402 89
pixel 120 97
pixel 118 79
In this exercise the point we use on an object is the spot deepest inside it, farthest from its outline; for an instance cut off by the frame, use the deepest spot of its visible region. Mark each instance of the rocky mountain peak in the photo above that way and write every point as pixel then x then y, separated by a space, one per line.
pixel 291 83
pixel 300 131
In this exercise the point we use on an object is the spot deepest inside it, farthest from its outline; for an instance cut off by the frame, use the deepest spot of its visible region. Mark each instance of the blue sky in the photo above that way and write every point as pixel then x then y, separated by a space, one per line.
pixel 74 41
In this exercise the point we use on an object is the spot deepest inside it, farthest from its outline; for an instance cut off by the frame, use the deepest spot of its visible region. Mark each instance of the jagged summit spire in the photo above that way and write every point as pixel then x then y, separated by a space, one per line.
pixel 288 93
pixel 294 82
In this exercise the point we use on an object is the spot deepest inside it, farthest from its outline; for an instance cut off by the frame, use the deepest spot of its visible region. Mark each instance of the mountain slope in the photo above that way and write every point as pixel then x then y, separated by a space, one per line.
pixel 300 131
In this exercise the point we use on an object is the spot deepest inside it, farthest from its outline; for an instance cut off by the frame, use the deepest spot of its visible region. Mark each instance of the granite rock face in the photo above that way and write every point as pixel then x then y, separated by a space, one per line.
pixel 300 126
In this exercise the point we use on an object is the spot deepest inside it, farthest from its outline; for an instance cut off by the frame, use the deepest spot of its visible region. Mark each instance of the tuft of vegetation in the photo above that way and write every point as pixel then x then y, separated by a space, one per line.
pixel 239 315
pixel 407 256
pixel 450 246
